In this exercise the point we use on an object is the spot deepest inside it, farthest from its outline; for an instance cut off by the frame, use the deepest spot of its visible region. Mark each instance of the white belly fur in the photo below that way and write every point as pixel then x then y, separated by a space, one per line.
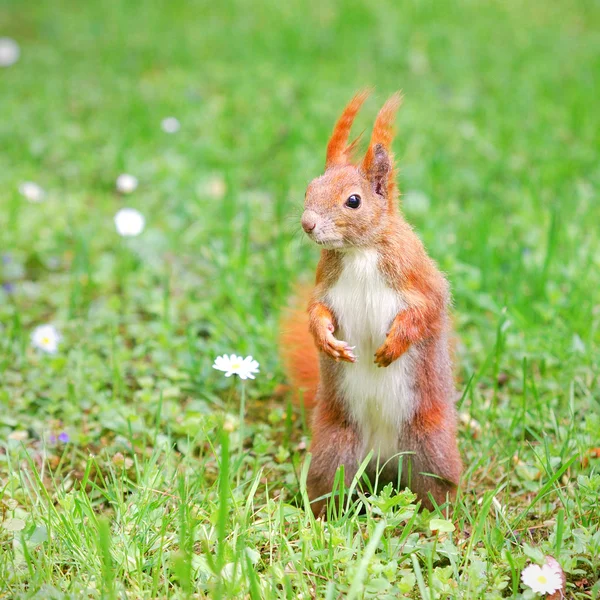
pixel 380 400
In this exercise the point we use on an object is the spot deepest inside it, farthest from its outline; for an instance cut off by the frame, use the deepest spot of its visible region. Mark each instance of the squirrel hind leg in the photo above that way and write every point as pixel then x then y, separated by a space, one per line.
pixel 434 467
pixel 334 444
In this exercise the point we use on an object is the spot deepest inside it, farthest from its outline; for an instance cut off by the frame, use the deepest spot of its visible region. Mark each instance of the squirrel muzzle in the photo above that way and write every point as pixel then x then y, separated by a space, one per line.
pixel 309 220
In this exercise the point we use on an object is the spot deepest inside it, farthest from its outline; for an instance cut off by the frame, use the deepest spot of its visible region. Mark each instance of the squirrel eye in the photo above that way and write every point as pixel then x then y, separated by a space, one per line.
pixel 353 201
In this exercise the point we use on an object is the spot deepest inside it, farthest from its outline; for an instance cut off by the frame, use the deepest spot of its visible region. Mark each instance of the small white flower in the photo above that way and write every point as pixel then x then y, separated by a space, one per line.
pixel 46 338
pixel 32 191
pixel 9 52
pixel 543 580
pixel 497 505
pixel 244 368
pixel 129 222
pixel 126 183
pixel 170 125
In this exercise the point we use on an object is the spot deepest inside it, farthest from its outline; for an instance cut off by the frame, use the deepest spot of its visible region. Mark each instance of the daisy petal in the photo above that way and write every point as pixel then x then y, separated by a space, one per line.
pixel 232 364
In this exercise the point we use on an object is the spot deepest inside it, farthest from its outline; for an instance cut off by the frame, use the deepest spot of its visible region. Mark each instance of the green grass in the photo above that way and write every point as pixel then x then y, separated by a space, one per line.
pixel 498 150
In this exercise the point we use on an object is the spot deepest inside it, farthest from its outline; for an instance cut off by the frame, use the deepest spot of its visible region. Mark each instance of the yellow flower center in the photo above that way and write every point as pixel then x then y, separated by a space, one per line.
pixel 542 579
pixel 45 340
pixel 236 365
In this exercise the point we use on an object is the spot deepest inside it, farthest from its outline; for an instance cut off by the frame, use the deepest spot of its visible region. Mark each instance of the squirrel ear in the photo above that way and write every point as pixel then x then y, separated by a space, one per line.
pixel 379 169
pixel 378 162
pixel 338 149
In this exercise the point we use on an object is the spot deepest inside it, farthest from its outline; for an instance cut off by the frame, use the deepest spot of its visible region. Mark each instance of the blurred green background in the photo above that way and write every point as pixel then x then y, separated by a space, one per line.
pixel 497 147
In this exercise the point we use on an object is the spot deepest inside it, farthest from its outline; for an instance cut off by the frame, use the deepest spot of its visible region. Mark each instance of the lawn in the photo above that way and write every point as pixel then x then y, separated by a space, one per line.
pixel 129 467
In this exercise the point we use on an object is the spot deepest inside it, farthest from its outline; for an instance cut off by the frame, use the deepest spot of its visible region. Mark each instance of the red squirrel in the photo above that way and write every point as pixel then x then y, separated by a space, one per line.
pixel 378 316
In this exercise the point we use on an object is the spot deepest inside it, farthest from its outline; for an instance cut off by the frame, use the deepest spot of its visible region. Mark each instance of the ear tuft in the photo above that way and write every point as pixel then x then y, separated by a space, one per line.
pixel 378 163
pixel 338 149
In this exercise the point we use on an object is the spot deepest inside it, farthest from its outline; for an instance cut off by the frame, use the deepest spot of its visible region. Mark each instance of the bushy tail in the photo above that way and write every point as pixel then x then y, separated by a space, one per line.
pixel 297 349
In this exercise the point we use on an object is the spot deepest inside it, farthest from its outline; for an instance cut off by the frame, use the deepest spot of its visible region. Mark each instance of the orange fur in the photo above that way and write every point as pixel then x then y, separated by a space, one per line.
pixel 383 129
pixel 383 133
pixel 431 419
pixel 298 351
pixel 338 149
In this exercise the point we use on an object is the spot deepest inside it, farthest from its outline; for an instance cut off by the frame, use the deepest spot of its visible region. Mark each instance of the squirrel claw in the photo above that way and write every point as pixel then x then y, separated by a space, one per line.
pixel 338 349
pixel 388 353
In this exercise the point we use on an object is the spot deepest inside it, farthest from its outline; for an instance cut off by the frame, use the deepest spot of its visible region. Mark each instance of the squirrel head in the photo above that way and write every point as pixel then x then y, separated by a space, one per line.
pixel 351 203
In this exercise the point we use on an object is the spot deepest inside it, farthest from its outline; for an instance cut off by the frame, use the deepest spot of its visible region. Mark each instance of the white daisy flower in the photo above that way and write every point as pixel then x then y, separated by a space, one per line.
pixel 129 222
pixel 9 52
pixel 46 338
pixel 32 191
pixel 170 125
pixel 244 368
pixel 126 183
pixel 543 580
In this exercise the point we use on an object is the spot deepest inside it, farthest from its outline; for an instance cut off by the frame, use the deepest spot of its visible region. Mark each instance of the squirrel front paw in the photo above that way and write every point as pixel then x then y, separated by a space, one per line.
pixel 337 349
pixel 389 351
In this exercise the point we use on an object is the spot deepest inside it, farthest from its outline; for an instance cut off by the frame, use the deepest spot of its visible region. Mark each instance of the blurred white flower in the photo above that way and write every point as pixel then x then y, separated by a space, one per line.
pixel 471 424
pixel 129 222
pixel 244 368
pixel 9 52
pixel 32 191
pixel 497 505
pixel 170 125
pixel 543 580
pixel 216 187
pixel 230 572
pixel 46 338
pixel 126 183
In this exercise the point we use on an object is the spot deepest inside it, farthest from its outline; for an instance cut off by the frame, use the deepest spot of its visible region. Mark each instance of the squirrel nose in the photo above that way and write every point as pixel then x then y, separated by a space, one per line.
pixel 309 220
